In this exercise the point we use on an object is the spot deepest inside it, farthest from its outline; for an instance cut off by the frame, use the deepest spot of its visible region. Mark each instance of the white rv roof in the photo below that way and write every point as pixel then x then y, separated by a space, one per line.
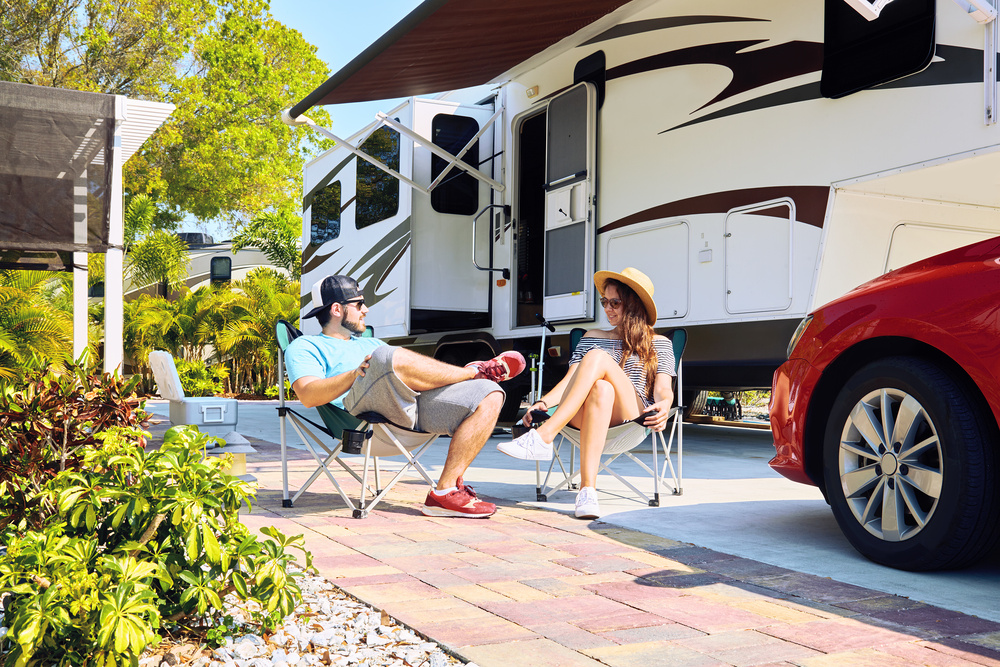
pixel 451 44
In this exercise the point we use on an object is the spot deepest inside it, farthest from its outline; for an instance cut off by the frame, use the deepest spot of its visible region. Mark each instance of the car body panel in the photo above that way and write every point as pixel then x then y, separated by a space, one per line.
pixel 949 302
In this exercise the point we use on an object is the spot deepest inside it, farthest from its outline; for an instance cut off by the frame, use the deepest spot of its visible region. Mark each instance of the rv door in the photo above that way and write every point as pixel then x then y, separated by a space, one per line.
pixel 570 161
pixel 445 238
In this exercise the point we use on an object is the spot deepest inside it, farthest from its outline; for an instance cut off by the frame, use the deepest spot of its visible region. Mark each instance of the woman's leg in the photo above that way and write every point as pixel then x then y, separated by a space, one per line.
pixel 593 420
pixel 595 366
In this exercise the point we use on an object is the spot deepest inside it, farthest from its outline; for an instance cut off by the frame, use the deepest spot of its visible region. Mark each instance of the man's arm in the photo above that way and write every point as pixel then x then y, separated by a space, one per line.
pixel 313 391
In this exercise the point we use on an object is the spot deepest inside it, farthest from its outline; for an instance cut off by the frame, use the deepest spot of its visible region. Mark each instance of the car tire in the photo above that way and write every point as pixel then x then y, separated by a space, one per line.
pixel 928 498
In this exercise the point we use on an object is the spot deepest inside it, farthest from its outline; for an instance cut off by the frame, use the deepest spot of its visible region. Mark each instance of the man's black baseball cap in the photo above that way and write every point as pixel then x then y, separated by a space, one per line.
pixel 331 290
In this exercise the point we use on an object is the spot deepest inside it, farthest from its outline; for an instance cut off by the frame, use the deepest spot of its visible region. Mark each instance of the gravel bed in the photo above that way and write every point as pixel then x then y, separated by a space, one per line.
pixel 327 628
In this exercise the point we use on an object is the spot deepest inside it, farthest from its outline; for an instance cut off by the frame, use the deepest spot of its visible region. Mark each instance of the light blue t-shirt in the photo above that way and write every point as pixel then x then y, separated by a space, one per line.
pixel 324 356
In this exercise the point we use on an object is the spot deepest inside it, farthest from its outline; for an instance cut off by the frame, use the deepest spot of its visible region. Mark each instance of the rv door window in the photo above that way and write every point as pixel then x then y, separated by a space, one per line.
pixel 378 192
pixel 324 215
pixel 458 193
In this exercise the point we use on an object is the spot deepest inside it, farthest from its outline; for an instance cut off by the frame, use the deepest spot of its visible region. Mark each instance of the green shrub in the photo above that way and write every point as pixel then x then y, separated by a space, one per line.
pixel 48 420
pixel 137 540
pixel 198 379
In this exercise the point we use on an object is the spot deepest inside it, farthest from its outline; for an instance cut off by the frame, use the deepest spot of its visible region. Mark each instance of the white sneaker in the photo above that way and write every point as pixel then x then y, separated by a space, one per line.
pixel 529 447
pixel 586 504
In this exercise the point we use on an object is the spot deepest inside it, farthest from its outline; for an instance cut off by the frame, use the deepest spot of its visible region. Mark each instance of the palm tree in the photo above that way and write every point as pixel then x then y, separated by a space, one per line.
pixel 32 330
pixel 160 258
pixel 247 339
pixel 150 324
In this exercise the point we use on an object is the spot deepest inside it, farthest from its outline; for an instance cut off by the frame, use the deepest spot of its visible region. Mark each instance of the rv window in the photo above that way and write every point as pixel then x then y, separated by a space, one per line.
pixel 859 54
pixel 458 193
pixel 325 215
pixel 221 270
pixel 378 192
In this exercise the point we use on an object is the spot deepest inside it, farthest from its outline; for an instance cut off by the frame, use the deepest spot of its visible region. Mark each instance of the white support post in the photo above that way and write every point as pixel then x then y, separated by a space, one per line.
pixel 983 11
pixel 114 291
pixel 80 319
pixel 989 71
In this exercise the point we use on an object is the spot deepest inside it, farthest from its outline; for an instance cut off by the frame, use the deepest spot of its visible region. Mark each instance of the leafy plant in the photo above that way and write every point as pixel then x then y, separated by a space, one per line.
pixel 47 420
pixel 137 541
pixel 199 379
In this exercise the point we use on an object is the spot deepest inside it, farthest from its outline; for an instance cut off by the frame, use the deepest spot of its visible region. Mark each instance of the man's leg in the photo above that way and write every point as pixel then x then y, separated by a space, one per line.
pixel 469 439
pixel 422 373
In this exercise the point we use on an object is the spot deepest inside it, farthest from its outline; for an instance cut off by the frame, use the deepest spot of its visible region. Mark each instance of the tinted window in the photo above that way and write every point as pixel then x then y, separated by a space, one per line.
pixel 459 192
pixel 378 192
pixel 325 215
pixel 222 270
pixel 859 54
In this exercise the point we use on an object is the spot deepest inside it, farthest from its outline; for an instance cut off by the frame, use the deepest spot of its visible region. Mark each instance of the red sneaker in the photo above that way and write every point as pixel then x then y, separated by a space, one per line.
pixel 460 502
pixel 502 367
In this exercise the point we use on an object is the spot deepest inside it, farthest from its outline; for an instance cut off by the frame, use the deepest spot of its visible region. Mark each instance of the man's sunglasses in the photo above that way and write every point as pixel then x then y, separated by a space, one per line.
pixel 357 302
pixel 614 303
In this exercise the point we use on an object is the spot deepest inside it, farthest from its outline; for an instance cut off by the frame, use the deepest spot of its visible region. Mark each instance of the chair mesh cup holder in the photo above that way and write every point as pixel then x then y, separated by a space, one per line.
pixel 354 440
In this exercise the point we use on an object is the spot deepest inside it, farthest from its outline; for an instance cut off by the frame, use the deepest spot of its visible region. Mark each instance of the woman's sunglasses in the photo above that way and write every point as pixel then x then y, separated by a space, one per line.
pixel 614 303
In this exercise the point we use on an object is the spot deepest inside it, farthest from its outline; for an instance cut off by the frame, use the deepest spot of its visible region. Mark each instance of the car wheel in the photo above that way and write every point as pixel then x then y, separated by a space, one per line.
pixel 910 467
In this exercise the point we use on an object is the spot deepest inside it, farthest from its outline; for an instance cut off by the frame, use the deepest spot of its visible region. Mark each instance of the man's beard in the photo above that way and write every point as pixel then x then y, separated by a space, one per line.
pixel 354 325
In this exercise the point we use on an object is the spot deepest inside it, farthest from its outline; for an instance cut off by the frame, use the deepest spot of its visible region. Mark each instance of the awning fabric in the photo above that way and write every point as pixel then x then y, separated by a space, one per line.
pixel 54 148
pixel 451 44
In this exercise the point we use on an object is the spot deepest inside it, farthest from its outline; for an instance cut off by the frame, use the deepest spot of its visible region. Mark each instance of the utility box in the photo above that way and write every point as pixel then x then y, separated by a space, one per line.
pixel 213 416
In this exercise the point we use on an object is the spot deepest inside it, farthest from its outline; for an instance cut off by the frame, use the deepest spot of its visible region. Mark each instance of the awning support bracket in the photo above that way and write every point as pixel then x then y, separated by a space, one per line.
pixel 453 160
pixel 305 120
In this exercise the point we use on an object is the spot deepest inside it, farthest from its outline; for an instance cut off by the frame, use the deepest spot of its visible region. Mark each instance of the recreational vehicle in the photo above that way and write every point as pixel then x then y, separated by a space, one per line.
pixel 756 158
pixel 209 263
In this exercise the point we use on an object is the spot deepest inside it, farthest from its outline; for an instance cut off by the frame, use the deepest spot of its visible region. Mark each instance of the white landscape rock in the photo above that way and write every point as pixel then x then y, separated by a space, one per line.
pixel 327 628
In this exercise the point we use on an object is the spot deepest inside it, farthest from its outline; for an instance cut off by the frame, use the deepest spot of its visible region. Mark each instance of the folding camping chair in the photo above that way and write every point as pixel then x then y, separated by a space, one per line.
pixel 369 435
pixel 623 439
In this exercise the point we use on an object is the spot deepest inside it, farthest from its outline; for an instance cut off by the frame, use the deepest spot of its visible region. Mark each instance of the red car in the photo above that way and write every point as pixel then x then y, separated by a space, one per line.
pixel 890 403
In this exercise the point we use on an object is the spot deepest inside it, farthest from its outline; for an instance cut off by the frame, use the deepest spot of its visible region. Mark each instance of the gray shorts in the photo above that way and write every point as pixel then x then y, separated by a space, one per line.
pixel 440 410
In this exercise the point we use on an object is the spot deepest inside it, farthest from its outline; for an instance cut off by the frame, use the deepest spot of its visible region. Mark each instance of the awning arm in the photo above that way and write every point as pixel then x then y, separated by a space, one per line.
pixel 461 154
pixel 287 119
pixel 440 152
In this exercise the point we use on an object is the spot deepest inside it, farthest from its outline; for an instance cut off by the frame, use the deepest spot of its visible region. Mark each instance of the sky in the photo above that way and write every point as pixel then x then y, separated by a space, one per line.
pixel 340 30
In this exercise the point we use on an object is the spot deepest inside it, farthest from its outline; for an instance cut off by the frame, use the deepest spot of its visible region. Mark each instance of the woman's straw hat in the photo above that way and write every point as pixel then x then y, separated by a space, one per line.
pixel 638 281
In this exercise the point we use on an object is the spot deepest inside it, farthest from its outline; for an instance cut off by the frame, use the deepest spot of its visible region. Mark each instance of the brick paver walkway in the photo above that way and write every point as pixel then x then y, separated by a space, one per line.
pixel 535 587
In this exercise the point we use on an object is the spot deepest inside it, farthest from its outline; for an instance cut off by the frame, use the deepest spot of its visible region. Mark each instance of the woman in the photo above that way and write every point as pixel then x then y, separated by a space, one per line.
pixel 614 376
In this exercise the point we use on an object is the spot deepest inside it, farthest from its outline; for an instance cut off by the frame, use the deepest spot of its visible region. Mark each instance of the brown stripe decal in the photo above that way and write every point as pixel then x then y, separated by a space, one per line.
pixel 751 68
pixel 810 205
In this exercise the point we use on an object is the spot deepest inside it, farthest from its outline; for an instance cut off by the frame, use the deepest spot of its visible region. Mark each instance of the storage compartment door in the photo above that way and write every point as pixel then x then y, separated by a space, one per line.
pixel 759 257
pixel 570 160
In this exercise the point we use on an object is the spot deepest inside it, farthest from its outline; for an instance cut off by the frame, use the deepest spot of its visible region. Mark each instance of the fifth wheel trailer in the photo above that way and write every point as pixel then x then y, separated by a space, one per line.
pixel 756 158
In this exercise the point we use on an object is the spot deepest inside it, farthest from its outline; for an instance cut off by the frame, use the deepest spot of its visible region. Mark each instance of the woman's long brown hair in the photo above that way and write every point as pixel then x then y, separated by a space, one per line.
pixel 637 336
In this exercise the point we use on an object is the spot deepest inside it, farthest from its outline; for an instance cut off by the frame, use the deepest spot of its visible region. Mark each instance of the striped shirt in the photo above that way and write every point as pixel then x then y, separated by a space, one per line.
pixel 633 366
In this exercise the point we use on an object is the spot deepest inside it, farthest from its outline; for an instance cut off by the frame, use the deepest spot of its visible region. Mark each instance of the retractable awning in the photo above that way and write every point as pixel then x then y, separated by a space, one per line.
pixel 451 44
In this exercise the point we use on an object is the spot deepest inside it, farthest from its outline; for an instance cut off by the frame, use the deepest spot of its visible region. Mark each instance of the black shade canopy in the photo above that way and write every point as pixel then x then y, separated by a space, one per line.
pixel 55 180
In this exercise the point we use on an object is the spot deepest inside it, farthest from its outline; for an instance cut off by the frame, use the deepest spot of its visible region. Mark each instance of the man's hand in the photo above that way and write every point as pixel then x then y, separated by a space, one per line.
pixel 314 391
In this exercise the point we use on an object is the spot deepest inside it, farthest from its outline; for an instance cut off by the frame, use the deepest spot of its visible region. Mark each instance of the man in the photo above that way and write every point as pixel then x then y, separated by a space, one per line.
pixel 409 389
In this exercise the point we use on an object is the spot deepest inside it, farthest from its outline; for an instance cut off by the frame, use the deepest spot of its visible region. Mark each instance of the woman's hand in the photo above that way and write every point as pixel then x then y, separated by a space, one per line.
pixel 537 405
pixel 658 420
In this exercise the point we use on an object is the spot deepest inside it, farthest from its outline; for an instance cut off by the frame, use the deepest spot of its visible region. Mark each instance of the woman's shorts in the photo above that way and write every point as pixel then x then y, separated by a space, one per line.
pixel 440 410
